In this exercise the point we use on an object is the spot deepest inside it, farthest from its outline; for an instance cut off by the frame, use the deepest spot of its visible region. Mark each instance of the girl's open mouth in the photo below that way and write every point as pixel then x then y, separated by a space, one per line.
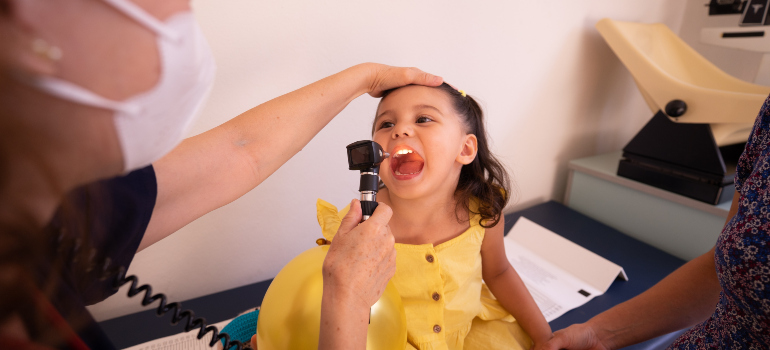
pixel 406 164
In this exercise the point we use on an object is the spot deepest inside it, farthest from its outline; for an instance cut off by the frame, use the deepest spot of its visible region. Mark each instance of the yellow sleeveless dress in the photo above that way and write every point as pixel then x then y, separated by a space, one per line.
pixel 446 303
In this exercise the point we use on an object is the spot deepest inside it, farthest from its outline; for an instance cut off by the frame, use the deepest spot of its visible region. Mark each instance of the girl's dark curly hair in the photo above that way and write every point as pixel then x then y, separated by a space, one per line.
pixel 485 178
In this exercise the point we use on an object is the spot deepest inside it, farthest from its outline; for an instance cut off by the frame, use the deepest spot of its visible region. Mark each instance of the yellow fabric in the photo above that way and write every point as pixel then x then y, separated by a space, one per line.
pixel 469 315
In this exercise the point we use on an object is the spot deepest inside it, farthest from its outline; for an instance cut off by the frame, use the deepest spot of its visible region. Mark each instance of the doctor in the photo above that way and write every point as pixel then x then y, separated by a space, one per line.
pixel 93 89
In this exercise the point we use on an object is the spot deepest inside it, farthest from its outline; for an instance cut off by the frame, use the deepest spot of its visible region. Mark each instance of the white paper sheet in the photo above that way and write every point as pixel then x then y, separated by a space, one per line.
pixel 559 274
pixel 183 341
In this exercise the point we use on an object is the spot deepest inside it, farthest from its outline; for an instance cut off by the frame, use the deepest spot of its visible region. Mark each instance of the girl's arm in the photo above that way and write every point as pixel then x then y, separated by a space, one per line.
pixel 506 285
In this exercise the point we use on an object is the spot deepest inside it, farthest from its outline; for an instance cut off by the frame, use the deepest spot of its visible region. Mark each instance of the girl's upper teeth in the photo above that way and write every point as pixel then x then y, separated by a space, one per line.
pixel 403 151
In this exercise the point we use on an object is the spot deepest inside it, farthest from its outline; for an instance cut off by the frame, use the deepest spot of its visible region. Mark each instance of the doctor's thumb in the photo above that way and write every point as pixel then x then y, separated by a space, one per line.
pixel 381 215
pixel 352 218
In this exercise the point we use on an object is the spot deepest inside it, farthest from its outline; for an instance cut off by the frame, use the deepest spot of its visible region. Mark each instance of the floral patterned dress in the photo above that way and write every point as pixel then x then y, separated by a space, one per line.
pixel 742 316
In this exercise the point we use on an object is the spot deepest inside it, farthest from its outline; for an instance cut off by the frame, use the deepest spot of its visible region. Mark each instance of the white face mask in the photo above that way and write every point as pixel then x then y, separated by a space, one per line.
pixel 152 123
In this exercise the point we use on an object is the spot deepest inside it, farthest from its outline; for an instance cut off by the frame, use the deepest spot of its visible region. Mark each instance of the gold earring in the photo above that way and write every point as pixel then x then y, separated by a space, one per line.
pixel 44 49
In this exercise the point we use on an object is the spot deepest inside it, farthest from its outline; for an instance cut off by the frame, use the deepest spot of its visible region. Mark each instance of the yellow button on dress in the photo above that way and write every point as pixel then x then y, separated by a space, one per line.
pixel 446 303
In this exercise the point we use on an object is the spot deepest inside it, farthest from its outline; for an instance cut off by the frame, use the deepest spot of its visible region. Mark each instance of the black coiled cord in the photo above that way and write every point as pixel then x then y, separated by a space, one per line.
pixel 192 322
pixel 75 248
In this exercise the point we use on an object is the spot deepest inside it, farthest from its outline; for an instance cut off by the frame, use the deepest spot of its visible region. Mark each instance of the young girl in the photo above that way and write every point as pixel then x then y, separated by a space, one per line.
pixel 447 192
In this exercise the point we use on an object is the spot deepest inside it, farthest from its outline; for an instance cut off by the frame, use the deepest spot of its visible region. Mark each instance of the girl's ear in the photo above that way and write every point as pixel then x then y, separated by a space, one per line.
pixel 469 149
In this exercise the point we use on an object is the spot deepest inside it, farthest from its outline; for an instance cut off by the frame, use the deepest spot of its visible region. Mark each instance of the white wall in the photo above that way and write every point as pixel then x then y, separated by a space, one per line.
pixel 551 88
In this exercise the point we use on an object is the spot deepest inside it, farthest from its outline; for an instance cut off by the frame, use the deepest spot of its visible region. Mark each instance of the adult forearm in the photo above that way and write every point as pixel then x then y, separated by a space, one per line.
pixel 344 324
pixel 212 169
pixel 274 131
pixel 684 298
pixel 360 262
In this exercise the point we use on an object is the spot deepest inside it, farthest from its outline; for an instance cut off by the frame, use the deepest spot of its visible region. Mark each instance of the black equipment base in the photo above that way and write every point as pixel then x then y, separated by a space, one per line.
pixel 681 158
pixel 682 185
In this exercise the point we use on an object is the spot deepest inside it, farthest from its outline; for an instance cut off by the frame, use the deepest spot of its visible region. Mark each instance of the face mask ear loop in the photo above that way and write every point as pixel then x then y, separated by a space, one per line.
pixel 141 16
pixel 71 92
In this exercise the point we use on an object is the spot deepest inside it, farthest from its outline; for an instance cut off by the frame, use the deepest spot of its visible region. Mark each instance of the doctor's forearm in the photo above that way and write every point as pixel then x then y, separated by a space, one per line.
pixel 344 323
pixel 276 130
pixel 273 132
pixel 212 169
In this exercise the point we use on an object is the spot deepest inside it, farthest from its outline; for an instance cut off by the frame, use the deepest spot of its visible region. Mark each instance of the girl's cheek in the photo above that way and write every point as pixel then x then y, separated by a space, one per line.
pixel 385 180
pixel 378 136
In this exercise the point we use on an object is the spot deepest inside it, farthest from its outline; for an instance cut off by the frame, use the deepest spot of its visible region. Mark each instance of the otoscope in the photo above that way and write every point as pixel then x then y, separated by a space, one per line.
pixel 366 157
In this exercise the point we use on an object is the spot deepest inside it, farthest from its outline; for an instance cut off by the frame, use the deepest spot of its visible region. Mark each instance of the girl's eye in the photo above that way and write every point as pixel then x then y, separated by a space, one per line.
pixel 424 119
pixel 386 125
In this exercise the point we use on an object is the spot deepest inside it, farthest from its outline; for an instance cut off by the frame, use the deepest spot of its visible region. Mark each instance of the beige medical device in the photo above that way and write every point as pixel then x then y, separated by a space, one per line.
pixel 703 116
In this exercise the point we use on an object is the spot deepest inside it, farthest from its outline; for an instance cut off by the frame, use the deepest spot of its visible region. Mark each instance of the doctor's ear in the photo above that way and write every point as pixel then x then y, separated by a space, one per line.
pixel 22 51
pixel 469 149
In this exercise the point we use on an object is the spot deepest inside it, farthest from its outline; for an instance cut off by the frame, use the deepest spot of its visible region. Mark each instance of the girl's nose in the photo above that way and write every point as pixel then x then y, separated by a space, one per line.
pixel 399 132
pixel 397 135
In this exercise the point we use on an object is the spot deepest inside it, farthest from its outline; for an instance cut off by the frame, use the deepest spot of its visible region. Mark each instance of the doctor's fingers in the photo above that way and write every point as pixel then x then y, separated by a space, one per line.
pixel 387 77
pixel 576 337
pixel 376 227
pixel 379 245
pixel 369 229
pixel 390 264
pixel 389 246
pixel 351 219
pixel 385 269
pixel 386 240
pixel 381 216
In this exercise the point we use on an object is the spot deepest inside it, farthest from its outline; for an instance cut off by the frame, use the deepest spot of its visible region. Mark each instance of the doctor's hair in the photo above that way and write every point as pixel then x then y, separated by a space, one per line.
pixel 22 286
pixel 485 178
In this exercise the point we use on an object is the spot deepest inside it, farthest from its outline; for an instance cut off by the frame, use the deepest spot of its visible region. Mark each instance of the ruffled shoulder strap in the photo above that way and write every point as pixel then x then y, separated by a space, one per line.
pixel 474 215
pixel 329 218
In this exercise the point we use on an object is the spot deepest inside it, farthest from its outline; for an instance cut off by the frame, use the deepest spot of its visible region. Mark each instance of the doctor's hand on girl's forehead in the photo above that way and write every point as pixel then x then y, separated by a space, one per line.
pixel 386 77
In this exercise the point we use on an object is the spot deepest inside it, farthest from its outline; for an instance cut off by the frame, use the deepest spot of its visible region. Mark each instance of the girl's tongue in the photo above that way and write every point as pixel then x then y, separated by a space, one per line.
pixel 407 163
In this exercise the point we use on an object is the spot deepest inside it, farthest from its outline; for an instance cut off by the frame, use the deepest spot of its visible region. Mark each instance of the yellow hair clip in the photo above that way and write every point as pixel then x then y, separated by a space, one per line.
pixel 462 92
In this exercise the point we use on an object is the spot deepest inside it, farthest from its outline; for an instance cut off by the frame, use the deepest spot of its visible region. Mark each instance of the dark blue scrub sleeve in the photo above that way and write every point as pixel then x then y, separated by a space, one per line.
pixel 111 216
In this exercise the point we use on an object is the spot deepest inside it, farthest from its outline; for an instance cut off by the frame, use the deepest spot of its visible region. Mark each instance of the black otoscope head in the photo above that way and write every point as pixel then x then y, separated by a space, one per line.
pixel 366 156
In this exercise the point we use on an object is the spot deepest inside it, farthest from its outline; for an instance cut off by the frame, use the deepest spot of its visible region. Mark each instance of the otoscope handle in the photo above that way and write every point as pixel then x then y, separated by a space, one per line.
pixel 367 209
pixel 370 181
pixel 368 186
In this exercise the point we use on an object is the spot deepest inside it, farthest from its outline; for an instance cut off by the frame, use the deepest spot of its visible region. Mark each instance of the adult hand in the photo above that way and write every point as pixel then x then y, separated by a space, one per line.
pixel 575 337
pixel 360 262
pixel 362 257
pixel 383 77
